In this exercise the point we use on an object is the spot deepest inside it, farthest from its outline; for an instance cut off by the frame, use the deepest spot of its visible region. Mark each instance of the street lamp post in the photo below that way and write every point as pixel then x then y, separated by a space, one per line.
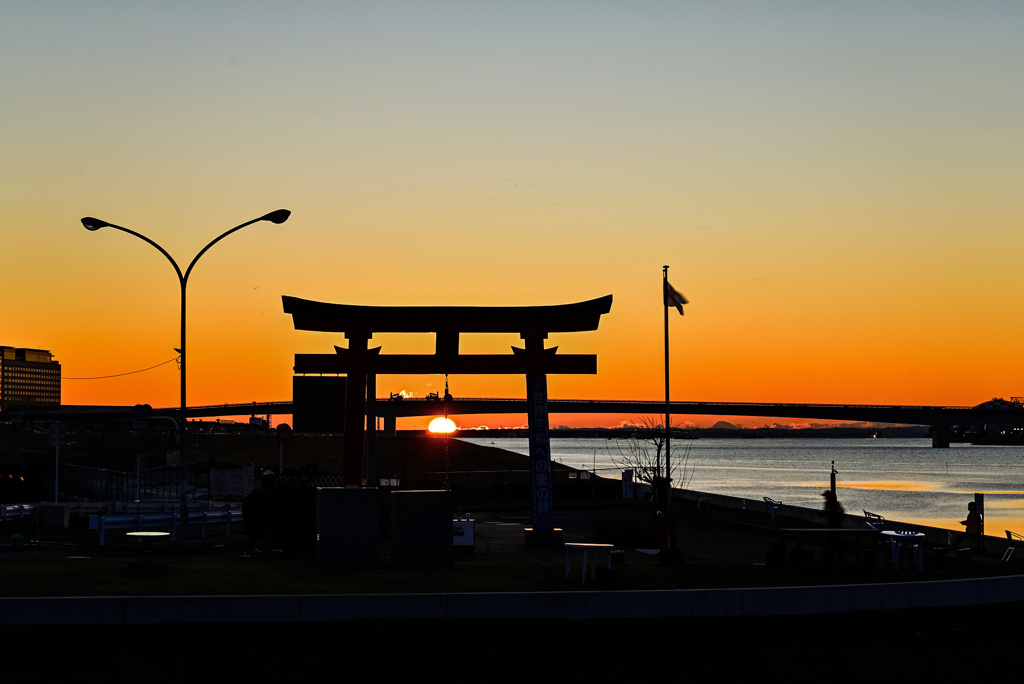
pixel 279 216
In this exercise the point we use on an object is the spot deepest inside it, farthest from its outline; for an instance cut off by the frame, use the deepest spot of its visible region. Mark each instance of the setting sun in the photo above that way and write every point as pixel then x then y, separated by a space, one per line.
pixel 441 426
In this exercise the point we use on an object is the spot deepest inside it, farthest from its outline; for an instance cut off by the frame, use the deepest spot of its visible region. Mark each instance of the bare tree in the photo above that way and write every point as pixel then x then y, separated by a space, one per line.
pixel 643 452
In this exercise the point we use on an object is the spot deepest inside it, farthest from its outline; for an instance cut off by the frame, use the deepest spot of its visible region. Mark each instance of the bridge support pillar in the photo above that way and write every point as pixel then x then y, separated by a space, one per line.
pixel 390 423
pixel 940 436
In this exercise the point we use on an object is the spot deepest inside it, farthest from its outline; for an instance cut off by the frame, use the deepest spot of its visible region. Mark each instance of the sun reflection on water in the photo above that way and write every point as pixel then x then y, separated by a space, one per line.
pixel 889 485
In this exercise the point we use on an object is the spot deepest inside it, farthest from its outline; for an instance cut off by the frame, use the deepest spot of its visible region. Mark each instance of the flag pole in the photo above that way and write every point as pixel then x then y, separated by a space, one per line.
pixel 668 450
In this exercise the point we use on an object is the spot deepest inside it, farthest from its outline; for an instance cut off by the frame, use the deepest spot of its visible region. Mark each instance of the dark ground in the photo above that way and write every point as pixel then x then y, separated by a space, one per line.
pixel 717 551
pixel 726 548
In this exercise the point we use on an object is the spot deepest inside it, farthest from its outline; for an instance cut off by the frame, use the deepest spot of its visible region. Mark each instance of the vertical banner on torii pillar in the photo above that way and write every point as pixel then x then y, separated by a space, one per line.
pixel 540 452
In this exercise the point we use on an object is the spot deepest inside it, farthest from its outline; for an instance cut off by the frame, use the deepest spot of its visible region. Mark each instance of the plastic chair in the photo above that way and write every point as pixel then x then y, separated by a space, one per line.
pixel 874 521
pixel 1016 542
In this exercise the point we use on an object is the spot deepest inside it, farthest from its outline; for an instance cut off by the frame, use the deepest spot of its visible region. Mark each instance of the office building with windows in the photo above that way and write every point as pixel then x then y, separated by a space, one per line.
pixel 29 379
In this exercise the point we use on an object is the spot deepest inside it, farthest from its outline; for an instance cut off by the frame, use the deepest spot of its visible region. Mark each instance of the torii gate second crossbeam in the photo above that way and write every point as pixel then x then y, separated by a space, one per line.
pixel 358 361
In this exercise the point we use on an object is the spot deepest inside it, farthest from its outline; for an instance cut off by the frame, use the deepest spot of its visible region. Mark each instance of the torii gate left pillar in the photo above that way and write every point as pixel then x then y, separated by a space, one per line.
pixel 355 407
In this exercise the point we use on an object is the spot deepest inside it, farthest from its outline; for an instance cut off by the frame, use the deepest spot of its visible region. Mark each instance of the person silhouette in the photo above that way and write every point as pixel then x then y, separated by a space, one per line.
pixel 972 527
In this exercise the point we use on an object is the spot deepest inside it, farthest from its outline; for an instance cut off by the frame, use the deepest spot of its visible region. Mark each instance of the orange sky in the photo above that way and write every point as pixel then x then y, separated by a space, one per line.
pixel 837 190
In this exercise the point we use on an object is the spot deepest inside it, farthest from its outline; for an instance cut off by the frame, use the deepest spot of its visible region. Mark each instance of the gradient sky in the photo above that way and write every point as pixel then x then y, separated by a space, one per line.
pixel 836 186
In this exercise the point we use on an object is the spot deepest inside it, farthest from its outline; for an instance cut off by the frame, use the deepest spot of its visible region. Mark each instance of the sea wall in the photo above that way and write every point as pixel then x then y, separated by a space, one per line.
pixel 569 605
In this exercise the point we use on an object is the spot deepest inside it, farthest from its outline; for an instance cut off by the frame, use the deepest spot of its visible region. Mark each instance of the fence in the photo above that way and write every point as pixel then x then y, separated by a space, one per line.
pixel 160 482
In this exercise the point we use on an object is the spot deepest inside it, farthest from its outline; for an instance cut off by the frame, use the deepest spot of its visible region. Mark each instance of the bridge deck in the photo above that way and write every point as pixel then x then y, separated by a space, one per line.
pixel 907 415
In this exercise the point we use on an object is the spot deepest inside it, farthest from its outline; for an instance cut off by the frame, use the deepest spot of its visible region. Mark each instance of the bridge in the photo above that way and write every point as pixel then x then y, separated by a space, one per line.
pixel 940 418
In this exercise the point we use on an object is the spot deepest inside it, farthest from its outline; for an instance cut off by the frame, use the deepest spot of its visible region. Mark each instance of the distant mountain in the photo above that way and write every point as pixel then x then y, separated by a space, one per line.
pixel 725 425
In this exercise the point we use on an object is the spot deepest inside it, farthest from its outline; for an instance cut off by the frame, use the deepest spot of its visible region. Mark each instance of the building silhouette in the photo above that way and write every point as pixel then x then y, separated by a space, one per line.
pixel 29 379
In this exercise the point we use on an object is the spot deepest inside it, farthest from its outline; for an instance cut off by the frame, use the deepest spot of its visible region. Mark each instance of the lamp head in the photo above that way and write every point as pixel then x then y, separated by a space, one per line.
pixel 279 216
pixel 91 223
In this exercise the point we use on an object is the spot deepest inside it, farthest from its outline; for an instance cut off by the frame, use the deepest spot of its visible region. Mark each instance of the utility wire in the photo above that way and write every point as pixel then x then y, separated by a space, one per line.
pixel 118 375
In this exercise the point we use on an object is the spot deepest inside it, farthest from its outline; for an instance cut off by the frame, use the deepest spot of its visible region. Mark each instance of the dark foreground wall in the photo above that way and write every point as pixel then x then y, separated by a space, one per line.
pixel 946 643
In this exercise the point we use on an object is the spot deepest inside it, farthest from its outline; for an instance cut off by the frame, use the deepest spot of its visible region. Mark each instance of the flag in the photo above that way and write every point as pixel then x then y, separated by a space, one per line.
pixel 673 298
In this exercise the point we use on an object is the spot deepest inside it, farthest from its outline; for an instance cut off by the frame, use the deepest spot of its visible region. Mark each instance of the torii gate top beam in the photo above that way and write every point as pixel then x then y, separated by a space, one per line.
pixel 529 321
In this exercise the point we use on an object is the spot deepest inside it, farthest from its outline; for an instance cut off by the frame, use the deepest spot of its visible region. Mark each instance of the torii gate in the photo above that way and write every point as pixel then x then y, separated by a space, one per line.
pixel 533 323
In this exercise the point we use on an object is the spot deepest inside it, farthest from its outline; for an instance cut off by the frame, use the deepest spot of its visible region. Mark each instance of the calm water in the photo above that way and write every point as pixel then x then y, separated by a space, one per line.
pixel 902 479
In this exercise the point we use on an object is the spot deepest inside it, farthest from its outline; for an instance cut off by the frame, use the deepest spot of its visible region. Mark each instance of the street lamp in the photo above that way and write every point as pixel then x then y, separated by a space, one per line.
pixel 279 216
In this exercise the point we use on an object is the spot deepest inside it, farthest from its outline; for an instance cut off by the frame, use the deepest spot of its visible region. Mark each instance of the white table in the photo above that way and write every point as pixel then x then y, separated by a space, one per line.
pixel 147 538
pixel 905 540
pixel 590 553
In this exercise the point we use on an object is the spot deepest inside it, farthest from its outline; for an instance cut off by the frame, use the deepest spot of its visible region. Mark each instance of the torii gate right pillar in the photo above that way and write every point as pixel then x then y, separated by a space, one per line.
pixel 543 532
